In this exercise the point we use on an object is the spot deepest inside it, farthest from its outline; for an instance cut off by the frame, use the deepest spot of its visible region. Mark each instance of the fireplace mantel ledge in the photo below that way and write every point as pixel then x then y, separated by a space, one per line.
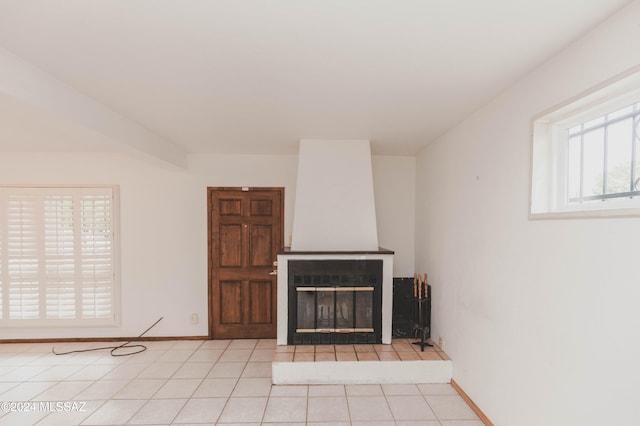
pixel 287 251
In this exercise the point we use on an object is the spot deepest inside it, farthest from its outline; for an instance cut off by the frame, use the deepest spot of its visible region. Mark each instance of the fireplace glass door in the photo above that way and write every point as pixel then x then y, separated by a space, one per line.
pixel 334 309
pixel 363 314
pixel 335 302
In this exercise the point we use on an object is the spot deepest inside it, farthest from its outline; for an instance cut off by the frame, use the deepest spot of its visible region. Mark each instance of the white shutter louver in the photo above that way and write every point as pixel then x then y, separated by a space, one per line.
pixel 2 259
pixel 97 257
pixel 57 255
pixel 22 256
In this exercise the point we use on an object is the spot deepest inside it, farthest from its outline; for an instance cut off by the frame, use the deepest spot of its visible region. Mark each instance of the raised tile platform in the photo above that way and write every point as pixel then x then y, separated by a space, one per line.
pixel 401 362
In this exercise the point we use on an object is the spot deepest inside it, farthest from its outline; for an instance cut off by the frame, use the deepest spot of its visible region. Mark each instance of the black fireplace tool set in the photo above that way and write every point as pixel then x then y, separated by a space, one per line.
pixel 421 315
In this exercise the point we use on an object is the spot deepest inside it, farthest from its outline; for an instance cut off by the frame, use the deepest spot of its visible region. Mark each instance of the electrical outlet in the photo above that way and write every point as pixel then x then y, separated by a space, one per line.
pixel 194 318
pixel 441 342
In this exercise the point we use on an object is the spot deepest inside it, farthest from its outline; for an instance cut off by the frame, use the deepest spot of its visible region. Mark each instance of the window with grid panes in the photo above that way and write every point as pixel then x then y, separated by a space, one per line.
pixel 586 153
pixel 57 256
pixel 603 157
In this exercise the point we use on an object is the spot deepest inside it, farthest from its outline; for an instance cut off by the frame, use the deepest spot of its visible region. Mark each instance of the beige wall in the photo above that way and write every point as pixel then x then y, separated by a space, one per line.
pixel 163 216
pixel 540 317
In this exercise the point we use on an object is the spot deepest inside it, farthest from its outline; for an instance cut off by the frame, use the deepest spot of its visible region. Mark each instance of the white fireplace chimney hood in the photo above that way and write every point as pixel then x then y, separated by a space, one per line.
pixel 334 205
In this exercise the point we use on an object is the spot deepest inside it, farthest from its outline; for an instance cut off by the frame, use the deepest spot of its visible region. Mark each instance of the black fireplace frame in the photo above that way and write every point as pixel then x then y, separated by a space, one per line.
pixel 337 273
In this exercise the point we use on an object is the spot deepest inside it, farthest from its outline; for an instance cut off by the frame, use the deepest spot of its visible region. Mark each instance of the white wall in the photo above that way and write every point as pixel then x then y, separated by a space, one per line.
pixel 335 206
pixel 164 225
pixel 541 318
pixel 394 191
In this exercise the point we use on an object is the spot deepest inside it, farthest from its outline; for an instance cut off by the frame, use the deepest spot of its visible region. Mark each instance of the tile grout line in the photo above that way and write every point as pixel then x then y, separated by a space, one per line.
pixel 166 381
pixel 228 398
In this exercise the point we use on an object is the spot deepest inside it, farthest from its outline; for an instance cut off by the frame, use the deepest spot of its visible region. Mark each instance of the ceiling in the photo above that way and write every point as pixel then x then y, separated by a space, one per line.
pixel 255 76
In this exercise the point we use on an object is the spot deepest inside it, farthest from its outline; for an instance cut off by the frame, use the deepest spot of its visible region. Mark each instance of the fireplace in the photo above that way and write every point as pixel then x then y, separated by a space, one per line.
pixel 334 301
pixel 334 297
pixel 335 284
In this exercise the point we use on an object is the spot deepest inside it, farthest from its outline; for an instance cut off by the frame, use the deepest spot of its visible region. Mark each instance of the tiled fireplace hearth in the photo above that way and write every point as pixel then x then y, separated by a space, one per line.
pixel 332 343
pixel 399 362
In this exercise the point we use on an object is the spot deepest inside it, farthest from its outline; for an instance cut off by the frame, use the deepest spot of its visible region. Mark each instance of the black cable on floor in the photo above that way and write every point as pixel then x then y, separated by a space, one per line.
pixel 125 345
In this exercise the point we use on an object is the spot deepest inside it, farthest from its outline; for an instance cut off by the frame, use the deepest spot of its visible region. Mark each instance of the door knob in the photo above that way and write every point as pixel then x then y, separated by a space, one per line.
pixel 274 272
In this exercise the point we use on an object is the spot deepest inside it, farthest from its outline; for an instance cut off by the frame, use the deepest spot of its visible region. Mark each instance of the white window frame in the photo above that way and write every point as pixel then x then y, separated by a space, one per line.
pixel 549 156
pixel 113 319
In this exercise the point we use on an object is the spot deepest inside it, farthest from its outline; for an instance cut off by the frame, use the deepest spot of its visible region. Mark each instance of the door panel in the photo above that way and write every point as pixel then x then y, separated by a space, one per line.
pixel 261 208
pixel 260 302
pixel 230 246
pixel 260 241
pixel 230 298
pixel 245 234
pixel 230 207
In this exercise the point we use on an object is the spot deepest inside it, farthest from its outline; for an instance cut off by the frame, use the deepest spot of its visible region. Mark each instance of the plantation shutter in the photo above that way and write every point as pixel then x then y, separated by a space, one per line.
pixel 57 255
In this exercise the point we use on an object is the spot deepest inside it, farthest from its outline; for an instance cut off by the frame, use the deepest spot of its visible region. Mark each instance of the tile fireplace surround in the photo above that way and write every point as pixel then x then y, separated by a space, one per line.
pixel 287 255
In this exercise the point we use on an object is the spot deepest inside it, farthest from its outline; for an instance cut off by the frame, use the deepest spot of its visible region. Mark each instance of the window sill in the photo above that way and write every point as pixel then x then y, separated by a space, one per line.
pixel 53 324
pixel 587 214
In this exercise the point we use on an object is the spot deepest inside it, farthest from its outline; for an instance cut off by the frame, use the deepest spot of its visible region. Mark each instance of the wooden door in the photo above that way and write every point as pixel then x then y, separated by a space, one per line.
pixel 245 235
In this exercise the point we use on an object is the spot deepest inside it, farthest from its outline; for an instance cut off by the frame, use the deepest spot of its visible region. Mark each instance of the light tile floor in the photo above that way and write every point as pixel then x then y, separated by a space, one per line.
pixel 199 382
